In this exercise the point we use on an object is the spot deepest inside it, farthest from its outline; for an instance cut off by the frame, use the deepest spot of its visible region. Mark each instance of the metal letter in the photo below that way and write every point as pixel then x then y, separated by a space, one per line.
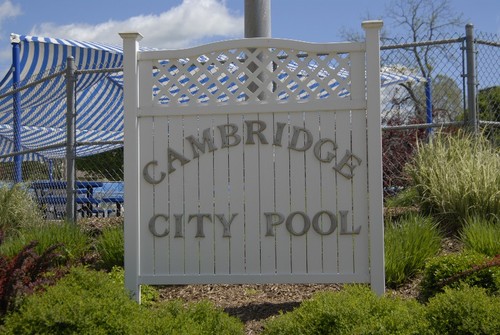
pixel 173 155
pixel 307 141
pixel 270 223
pixel 343 225
pixel 317 150
pixel 147 176
pixel 199 223
pixel 279 133
pixel 195 144
pixel 152 225
pixel 289 223
pixel 333 223
pixel 179 231
pixel 227 225
pixel 344 162
pixel 225 136
pixel 258 132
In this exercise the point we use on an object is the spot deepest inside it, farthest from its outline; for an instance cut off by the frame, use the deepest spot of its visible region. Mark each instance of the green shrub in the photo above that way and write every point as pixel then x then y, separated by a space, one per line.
pixel 481 235
pixel 455 270
pixel 75 243
pixel 354 310
pixel 196 318
pixel 17 209
pixel 406 198
pixel 89 302
pixel 149 294
pixel 83 302
pixel 408 244
pixel 468 310
pixel 457 177
pixel 110 247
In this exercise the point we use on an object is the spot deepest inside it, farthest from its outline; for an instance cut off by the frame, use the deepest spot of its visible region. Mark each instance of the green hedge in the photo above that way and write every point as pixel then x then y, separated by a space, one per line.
pixel 88 302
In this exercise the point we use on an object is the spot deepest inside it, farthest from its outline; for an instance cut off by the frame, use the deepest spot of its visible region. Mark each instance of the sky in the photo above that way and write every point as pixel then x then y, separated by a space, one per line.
pixel 186 23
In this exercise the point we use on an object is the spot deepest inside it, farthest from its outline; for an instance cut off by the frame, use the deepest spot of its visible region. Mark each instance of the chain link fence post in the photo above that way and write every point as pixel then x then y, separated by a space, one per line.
pixel 70 140
pixel 471 79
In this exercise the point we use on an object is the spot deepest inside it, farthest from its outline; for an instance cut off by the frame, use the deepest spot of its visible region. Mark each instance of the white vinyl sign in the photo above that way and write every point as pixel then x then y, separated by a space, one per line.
pixel 253 161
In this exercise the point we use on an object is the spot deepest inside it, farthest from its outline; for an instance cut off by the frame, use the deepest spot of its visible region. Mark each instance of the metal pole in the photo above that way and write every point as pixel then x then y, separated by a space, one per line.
pixel 17 117
pixel 471 78
pixel 70 140
pixel 257 18
pixel 428 103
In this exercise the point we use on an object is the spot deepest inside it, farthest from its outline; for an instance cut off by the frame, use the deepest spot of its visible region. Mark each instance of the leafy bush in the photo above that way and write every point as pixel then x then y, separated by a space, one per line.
pixel 408 245
pixel 17 208
pixel 88 302
pixel 83 302
pixel 406 198
pixel 457 177
pixel 354 310
pixel 468 310
pixel 110 247
pixel 196 318
pixel 455 270
pixel 149 294
pixel 24 273
pixel 75 243
pixel 481 235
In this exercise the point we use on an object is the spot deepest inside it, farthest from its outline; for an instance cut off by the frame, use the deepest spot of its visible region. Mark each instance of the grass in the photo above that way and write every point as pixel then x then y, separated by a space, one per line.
pixel 409 243
pixel 481 235
pixel 17 209
pixel 457 177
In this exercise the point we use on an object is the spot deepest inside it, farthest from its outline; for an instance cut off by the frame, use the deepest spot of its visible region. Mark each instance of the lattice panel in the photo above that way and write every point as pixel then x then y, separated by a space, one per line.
pixel 247 75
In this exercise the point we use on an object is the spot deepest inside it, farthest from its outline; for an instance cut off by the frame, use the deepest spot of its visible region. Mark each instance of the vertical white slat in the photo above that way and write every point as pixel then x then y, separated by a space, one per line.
pixel 298 198
pixel 176 195
pixel 252 193
pixel 160 200
pixel 221 199
pixel 131 163
pixel 206 189
pixel 328 191
pixel 267 173
pixel 360 181
pixel 281 186
pixel 344 190
pixel 236 200
pixel 146 192
pixel 372 30
pixel 360 189
pixel 191 197
pixel 313 174
pixel 146 84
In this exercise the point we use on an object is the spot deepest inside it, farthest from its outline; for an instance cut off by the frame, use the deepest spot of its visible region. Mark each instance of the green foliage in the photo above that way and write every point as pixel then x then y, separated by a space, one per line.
pixel 468 310
pixel 457 177
pixel 488 101
pixel 354 310
pixel 17 208
pixel 110 247
pixel 149 294
pixel 88 302
pixel 107 165
pixel 406 198
pixel 481 235
pixel 25 273
pixel 75 243
pixel 197 318
pixel 408 245
pixel 83 302
pixel 455 270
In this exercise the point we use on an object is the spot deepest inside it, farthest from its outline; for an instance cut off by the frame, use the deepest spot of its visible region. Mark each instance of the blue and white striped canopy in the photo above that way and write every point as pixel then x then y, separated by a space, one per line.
pixel 99 97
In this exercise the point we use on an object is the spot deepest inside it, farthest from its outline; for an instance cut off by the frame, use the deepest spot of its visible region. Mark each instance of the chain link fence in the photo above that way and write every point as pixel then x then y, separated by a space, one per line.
pixel 411 112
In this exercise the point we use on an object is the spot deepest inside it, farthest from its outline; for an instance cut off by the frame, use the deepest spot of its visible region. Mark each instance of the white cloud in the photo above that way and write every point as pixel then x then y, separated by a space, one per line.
pixel 181 26
pixel 8 10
